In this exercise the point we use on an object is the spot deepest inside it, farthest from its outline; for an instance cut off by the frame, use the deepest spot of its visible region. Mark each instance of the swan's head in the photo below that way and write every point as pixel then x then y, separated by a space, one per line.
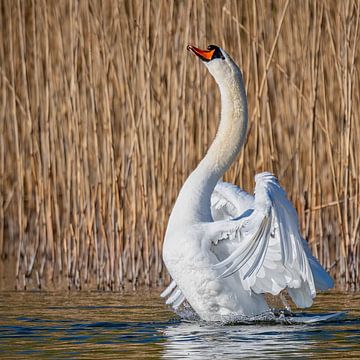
pixel 218 62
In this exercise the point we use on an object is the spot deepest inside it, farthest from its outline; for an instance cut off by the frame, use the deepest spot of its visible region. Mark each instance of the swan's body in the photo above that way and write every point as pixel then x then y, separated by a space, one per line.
pixel 223 247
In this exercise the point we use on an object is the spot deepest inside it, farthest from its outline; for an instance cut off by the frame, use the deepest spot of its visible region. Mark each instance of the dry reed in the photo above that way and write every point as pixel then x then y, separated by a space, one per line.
pixel 103 115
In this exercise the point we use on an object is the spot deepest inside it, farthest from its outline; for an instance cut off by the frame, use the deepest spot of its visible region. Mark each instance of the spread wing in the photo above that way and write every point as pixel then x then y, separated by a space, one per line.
pixel 263 245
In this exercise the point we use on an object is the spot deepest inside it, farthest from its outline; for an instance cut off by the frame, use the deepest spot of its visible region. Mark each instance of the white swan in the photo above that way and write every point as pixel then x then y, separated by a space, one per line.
pixel 223 247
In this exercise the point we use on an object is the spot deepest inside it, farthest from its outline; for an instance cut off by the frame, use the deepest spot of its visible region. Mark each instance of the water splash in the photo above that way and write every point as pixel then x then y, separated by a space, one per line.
pixel 273 316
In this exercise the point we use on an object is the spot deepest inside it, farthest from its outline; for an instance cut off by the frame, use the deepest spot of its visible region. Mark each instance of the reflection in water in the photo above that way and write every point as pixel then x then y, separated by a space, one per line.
pixel 246 341
pixel 132 326
pixel 309 335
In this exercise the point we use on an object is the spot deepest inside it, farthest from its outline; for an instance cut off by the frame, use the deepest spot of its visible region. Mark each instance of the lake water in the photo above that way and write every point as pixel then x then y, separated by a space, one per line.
pixel 138 325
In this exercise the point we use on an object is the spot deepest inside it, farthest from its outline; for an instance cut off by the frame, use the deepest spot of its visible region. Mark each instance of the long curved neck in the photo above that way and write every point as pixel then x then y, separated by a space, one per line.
pixel 232 129
pixel 193 202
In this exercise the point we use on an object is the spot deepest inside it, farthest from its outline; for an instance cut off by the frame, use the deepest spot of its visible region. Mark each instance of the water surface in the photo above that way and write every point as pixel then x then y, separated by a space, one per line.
pixel 138 325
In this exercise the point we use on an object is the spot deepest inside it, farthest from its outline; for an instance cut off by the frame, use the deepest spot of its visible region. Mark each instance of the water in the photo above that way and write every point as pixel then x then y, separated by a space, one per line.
pixel 138 325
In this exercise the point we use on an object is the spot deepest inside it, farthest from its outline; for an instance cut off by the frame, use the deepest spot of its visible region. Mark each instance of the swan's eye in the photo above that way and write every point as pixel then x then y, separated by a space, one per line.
pixel 217 54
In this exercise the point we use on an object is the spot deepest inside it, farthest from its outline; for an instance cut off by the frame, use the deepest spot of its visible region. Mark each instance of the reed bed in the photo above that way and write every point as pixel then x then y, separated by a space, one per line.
pixel 104 114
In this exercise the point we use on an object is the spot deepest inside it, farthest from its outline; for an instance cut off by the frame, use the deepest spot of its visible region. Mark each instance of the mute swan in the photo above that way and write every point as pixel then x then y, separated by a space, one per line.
pixel 223 247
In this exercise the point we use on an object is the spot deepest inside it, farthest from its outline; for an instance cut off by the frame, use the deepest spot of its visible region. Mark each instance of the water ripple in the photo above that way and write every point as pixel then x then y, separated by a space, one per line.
pixel 98 325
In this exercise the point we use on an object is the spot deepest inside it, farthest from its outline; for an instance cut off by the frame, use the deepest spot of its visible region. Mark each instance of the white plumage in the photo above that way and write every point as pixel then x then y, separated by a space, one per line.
pixel 225 248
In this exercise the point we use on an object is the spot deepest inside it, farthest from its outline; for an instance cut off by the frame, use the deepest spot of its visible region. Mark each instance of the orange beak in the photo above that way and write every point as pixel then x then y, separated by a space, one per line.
pixel 205 55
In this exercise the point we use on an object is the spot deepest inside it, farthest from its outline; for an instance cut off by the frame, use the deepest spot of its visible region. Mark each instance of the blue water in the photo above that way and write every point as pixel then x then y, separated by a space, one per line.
pixel 138 325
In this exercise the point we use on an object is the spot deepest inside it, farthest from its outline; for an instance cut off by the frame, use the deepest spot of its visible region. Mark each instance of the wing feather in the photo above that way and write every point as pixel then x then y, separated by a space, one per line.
pixel 174 294
pixel 228 201
pixel 263 242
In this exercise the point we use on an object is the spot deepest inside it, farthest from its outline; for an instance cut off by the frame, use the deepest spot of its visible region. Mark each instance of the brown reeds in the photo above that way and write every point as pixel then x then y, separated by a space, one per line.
pixel 103 115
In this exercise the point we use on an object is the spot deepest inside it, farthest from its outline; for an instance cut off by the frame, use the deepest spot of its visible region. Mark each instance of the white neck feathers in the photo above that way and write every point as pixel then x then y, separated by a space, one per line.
pixel 232 130
pixel 193 202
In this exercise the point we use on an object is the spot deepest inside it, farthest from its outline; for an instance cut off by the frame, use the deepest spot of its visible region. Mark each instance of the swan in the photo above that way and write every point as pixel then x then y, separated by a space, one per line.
pixel 224 248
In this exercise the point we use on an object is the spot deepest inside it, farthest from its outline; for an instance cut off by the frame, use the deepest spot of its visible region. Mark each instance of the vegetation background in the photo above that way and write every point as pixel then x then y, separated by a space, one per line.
pixel 104 114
